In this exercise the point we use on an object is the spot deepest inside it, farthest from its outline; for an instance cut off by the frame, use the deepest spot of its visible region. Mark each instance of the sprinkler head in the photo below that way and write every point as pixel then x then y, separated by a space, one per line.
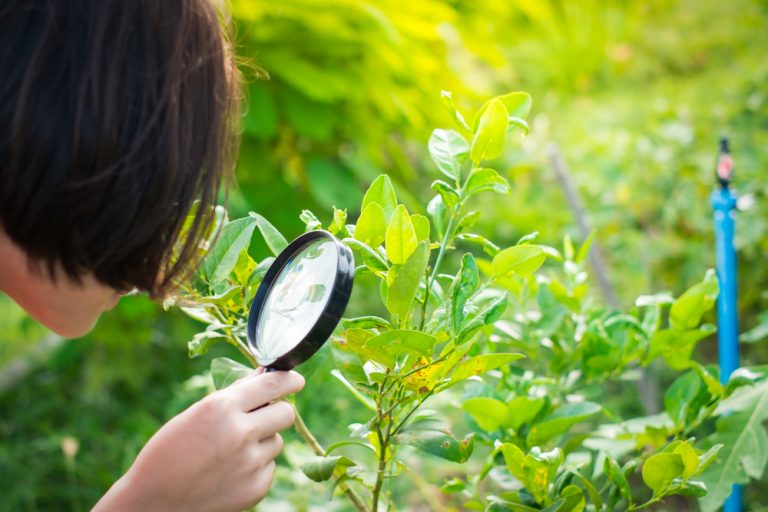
pixel 724 169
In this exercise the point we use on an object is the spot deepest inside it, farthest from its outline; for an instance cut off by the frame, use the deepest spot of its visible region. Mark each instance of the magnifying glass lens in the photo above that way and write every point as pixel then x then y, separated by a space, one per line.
pixel 296 299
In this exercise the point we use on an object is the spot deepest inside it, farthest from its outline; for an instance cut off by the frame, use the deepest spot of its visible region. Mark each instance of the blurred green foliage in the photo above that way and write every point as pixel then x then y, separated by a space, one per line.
pixel 634 93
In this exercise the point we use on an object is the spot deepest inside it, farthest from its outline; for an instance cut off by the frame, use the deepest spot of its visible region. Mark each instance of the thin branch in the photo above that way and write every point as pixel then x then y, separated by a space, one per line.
pixel 312 442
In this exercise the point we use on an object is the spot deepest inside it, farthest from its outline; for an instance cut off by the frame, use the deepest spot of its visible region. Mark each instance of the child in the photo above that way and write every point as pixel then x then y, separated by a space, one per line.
pixel 115 116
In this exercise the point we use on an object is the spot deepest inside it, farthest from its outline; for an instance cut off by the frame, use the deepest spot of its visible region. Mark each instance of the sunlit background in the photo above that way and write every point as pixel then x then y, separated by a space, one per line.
pixel 630 97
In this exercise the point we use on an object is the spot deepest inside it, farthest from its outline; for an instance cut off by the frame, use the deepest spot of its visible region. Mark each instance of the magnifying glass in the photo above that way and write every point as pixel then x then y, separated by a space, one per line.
pixel 300 301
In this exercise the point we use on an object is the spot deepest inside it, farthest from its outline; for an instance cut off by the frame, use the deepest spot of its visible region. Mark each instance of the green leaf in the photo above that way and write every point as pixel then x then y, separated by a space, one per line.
pixel 489 413
pixel 757 333
pixel 448 194
pixel 478 365
pixel 371 226
pixel 254 280
pixel 355 342
pixel 660 469
pixel 202 341
pixel 741 377
pixel 676 347
pixel 338 225
pixel 447 99
pixel 491 132
pixel 448 150
pixel 382 193
pixel 488 247
pixel 465 284
pixel 535 471
pixel 421 227
pixel 514 459
pixel 366 322
pixel 436 210
pixel 684 398
pixel 689 457
pixel 400 237
pixel 468 220
pixel 523 409
pixel 400 341
pixel 367 402
pixel 518 105
pixel 527 239
pixel 222 258
pixel 440 443
pixel 498 504
pixel 483 179
pixel 347 359
pixel 689 488
pixel 710 380
pixel 310 220
pixel 581 256
pixel 594 495
pixel 520 260
pixel 275 241
pixel 618 478
pixel 321 469
pixel 221 298
pixel 486 317
pixel 406 282
pixel 218 216
pixel 225 371
pixel 371 258
pixel 708 458
pixel 687 310
pixel 574 499
pixel 745 445
pixel 561 421
pixel 453 485
pixel 516 122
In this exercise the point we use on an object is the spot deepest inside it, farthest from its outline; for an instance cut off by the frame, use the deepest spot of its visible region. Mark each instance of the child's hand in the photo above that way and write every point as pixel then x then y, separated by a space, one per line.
pixel 218 455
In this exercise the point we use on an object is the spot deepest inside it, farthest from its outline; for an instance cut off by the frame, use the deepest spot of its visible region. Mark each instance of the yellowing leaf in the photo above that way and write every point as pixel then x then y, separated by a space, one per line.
pixel 371 227
pixel 400 237
pixel 421 226
pixel 661 469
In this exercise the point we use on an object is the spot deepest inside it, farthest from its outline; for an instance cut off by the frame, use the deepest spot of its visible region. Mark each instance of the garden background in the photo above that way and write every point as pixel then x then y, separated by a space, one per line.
pixel 634 94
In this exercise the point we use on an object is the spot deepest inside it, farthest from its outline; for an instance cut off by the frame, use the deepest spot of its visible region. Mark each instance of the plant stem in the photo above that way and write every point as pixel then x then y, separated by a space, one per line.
pixel 244 350
pixel 381 470
pixel 383 446
pixel 310 439
pixel 410 413
pixel 423 319
pixel 441 253
pixel 645 505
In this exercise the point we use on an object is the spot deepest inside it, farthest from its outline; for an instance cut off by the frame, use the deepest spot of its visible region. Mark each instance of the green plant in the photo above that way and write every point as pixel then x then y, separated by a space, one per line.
pixel 539 417
pixel 546 427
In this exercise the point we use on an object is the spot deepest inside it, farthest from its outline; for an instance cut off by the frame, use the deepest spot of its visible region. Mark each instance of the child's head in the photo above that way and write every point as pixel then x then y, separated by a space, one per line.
pixel 115 116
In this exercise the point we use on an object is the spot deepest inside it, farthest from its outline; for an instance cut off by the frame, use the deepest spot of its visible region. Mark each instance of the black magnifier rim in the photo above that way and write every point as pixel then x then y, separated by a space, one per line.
pixel 329 317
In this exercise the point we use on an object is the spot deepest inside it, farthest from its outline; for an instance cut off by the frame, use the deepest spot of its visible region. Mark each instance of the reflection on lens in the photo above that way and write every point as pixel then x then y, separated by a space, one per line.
pixel 296 300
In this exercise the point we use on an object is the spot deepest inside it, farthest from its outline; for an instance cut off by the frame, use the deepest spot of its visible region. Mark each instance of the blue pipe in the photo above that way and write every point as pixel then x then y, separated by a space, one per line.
pixel 724 205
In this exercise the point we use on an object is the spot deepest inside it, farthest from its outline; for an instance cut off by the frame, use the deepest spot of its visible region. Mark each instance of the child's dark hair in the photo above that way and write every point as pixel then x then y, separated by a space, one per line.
pixel 115 116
